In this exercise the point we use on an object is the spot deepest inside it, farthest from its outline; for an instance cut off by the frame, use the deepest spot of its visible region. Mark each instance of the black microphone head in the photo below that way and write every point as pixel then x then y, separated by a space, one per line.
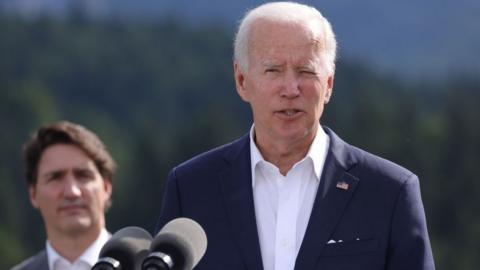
pixel 128 246
pixel 184 240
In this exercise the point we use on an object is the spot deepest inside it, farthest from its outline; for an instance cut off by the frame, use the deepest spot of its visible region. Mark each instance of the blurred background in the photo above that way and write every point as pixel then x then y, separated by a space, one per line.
pixel 154 79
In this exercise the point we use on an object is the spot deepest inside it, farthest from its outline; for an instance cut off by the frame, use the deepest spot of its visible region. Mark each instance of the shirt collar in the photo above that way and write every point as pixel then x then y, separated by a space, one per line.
pixel 90 255
pixel 255 155
pixel 317 152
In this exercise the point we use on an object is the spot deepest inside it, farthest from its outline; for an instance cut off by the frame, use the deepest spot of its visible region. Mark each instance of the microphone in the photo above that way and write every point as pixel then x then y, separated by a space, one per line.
pixel 178 246
pixel 125 250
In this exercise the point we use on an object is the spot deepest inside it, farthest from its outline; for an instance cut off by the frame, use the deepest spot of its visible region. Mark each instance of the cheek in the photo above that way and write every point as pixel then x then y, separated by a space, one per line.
pixel 102 195
pixel 94 193
pixel 312 94
pixel 315 101
pixel 262 105
pixel 267 91
pixel 319 91
pixel 45 196
pixel 251 90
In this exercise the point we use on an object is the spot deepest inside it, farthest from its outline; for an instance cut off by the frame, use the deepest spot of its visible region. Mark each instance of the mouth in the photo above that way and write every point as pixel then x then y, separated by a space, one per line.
pixel 289 113
pixel 71 208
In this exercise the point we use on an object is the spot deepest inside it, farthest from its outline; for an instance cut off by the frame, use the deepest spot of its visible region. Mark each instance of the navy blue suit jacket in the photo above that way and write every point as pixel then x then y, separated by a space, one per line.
pixel 379 217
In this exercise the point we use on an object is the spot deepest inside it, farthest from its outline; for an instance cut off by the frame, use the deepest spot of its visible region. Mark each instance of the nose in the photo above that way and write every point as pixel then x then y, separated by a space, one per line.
pixel 71 188
pixel 291 86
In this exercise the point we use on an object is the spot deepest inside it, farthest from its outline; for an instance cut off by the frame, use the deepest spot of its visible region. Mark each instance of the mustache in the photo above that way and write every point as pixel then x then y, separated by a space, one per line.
pixel 72 203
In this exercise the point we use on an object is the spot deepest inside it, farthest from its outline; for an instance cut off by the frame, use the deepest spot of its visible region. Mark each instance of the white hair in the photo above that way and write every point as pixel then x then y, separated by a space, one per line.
pixel 289 12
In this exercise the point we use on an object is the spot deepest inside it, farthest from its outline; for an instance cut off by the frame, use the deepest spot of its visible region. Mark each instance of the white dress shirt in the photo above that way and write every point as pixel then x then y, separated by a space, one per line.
pixel 283 204
pixel 84 262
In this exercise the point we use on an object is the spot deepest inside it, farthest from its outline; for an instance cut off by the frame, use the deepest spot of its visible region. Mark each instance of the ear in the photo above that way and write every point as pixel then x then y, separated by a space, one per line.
pixel 240 82
pixel 32 192
pixel 329 88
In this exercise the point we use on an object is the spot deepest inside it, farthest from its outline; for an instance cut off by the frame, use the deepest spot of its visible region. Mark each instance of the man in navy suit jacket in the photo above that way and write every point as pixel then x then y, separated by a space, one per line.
pixel 291 194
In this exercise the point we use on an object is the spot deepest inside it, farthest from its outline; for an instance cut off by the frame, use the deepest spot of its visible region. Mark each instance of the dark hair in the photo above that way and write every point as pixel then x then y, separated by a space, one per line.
pixel 65 132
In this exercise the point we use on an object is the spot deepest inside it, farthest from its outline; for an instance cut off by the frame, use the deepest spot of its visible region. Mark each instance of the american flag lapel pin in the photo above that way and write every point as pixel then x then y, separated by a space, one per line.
pixel 342 185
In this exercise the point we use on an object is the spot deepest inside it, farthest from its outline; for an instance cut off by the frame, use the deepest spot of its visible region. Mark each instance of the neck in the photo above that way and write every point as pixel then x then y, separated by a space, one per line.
pixel 72 245
pixel 284 154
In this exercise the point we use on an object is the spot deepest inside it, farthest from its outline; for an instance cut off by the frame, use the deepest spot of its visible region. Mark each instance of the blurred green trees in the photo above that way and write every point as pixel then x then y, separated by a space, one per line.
pixel 157 94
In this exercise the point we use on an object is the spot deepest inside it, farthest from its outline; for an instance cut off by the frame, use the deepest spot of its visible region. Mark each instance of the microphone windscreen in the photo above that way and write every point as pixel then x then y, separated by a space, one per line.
pixel 184 240
pixel 129 246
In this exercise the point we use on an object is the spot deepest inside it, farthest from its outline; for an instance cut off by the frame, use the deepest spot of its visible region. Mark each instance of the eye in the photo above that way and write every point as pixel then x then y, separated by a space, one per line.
pixel 308 72
pixel 55 176
pixel 84 175
pixel 272 70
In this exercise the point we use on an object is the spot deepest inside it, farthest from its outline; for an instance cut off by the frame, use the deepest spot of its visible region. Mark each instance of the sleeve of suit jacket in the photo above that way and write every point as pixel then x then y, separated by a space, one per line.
pixel 409 246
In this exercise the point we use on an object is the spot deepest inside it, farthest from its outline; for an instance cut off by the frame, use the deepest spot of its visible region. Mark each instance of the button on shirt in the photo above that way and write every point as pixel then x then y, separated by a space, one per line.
pixel 283 204
pixel 84 262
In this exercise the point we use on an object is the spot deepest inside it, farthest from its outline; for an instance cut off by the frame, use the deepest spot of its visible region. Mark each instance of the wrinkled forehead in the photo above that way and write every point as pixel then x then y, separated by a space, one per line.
pixel 267 33
pixel 284 39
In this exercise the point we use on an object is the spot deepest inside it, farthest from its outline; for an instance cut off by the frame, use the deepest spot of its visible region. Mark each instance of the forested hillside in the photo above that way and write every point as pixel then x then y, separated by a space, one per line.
pixel 160 93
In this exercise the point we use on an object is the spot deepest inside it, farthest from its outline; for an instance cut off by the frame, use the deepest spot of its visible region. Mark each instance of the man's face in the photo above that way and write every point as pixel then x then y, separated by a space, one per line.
pixel 70 192
pixel 287 82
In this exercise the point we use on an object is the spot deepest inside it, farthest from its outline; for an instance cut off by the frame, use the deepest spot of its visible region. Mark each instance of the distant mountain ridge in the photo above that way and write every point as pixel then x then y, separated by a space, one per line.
pixel 432 38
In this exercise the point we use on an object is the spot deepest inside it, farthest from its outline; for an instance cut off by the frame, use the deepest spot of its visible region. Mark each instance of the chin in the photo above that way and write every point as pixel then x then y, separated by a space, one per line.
pixel 77 226
pixel 294 133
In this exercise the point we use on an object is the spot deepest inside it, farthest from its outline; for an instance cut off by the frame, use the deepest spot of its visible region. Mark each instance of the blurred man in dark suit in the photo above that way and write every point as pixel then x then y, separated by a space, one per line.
pixel 291 194
pixel 69 174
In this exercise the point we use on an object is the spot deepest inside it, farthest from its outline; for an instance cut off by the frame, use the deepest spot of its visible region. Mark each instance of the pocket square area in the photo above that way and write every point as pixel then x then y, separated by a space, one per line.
pixel 349 247
pixel 332 241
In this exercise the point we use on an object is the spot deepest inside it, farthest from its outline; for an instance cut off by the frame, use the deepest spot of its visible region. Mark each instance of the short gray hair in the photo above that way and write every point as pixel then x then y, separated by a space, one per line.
pixel 284 12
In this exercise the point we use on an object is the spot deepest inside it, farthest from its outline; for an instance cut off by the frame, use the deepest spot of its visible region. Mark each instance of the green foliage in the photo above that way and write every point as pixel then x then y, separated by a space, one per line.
pixel 10 248
pixel 158 94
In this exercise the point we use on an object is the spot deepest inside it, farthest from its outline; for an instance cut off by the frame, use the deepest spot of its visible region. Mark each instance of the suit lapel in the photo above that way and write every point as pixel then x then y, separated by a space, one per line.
pixel 43 261
pixel 236 182
pixel 38 262
pixel 330 203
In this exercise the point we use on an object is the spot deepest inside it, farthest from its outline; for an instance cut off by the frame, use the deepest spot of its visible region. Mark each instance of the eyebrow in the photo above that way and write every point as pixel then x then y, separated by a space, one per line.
pixel 63 171
pixel 52 173
pixel 310 66
pixel 83 170
pixel 271 64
